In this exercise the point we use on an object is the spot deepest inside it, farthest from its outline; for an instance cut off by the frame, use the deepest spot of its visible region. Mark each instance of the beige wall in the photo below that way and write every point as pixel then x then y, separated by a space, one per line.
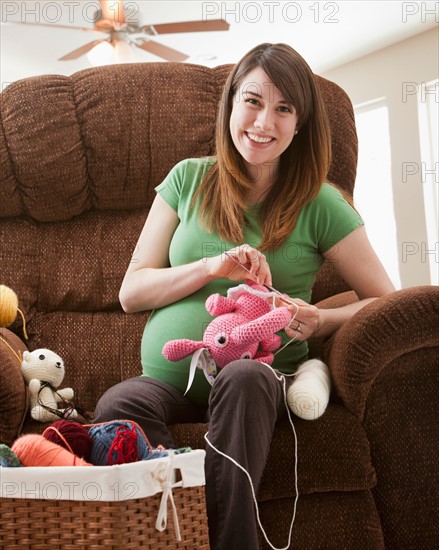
pixel 395 73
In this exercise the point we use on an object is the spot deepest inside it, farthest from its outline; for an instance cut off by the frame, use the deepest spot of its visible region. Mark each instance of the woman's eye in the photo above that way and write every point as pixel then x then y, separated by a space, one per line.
pixel 284 109
pixel 221 339
pixel 252 101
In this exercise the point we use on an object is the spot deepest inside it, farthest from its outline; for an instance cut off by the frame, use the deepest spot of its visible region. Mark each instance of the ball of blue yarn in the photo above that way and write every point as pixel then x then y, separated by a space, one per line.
pixel 8 459
pixel 102 438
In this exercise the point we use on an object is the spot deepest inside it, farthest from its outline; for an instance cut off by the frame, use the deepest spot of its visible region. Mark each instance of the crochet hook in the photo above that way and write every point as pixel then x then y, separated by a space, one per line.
pixel 272 289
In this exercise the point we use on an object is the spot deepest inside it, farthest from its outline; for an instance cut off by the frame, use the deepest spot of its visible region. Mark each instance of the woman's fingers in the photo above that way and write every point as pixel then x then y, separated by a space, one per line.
pixel 253 266
pixel 304 320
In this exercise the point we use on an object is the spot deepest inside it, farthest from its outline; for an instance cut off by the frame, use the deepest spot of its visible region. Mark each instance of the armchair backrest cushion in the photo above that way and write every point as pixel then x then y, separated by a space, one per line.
pixel 104 138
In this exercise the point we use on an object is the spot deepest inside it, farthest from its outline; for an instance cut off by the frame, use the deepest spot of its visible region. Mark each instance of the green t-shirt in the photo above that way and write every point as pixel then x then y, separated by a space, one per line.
pixel 321 224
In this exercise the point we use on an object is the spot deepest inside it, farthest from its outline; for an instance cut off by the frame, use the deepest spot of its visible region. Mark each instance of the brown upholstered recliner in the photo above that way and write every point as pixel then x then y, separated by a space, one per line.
pixel 80 157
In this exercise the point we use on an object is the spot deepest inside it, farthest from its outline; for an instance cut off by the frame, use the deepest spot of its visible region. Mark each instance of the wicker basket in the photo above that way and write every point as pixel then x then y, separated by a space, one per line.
pixel 58 508
pixel 85 525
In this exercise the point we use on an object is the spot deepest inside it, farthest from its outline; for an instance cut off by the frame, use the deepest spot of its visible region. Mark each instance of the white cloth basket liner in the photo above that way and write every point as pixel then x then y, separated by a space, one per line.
pixel 104 483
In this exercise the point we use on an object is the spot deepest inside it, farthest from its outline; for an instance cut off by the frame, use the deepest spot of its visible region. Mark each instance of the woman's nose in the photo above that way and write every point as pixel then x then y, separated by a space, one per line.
pixel 264 120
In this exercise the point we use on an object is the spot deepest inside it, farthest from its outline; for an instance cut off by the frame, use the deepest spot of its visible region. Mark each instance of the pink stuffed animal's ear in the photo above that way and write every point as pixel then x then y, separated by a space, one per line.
pixel 175 350
pixel 219 305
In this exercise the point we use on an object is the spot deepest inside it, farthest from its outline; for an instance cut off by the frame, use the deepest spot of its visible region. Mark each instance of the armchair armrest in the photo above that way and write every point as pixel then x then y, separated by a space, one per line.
pixel 388 328
pixel 319 345
pixel 13 390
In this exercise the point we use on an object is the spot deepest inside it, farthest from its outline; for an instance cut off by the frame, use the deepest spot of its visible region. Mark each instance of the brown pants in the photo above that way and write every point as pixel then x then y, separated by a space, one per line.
pixel 245 402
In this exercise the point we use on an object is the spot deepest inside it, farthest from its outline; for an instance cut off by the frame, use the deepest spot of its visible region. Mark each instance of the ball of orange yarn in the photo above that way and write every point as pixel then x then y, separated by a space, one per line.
pixel 70 435
pixel 8 306
pixel 36 450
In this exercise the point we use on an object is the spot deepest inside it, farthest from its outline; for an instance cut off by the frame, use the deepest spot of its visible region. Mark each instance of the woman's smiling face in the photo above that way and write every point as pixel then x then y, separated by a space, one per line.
pixel 262 122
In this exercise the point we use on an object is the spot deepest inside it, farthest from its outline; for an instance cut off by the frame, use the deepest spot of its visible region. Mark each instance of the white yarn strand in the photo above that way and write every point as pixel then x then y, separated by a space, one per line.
pixel 282 379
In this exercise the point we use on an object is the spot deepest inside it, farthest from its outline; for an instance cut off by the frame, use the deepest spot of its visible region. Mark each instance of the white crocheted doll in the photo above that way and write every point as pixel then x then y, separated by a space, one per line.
pixel 43 371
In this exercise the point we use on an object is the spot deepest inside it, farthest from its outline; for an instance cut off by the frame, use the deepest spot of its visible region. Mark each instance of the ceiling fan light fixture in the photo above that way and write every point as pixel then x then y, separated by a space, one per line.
pixel 102 54
pixel 122 52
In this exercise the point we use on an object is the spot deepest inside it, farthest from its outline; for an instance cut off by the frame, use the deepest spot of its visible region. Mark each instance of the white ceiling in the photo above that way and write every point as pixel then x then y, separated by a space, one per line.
pixel 327 34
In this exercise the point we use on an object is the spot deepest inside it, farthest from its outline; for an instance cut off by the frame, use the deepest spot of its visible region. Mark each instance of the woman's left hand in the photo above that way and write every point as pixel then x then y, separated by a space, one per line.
pixel 305 319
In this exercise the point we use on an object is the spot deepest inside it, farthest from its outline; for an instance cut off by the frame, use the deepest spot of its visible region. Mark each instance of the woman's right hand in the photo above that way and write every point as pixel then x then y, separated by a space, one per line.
pixel 223 266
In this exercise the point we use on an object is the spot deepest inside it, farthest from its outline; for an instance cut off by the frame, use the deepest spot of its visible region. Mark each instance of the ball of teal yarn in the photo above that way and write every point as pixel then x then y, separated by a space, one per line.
pixel 8 459
pixel 102 437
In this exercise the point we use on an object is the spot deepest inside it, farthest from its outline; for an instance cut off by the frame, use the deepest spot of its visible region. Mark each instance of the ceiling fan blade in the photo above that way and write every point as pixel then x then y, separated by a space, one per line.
pixel 162 51
pixel 81 51
pixel 188 26
pixel 113 10
pixel 52 26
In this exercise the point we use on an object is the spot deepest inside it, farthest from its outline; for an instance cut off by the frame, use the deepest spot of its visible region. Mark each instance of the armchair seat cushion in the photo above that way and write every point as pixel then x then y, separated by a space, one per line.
pixel 335 445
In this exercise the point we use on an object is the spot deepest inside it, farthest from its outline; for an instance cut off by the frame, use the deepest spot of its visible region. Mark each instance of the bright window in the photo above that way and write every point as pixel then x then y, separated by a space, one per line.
pixel 373 195
pixel 428 108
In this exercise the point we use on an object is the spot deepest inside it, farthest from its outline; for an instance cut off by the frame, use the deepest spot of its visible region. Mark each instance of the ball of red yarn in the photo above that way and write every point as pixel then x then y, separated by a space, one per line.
pixel 70 435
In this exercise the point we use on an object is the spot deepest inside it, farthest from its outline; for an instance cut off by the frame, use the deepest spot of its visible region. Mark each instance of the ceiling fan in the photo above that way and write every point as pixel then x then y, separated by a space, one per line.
pixel 111 19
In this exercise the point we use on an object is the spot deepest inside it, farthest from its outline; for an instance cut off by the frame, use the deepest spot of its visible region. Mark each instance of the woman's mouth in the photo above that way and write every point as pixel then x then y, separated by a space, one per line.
pixel 263 140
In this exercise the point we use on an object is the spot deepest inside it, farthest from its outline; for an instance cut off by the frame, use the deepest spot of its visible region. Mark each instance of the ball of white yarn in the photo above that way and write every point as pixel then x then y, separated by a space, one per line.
pixel 308 395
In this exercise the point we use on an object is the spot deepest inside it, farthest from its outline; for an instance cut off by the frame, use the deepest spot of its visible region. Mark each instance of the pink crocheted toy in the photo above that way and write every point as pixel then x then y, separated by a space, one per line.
pixel 244 329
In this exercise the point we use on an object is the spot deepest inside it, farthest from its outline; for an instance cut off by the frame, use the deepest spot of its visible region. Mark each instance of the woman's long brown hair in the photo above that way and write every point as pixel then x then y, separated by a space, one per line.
pixel 303 165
